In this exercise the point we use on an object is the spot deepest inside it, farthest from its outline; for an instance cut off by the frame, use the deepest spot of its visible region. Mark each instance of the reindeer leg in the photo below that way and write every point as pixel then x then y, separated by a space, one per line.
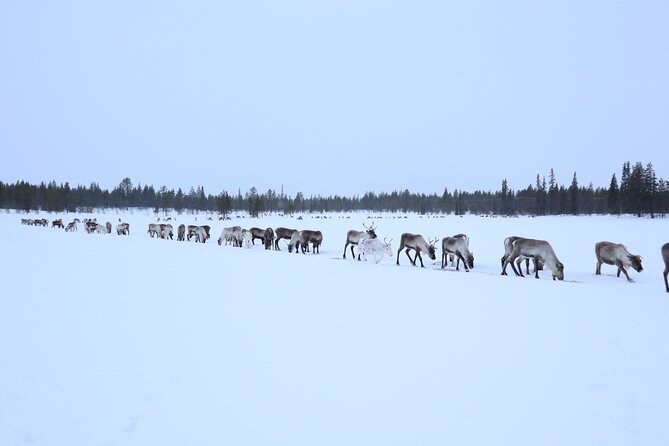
pixel 527 266
pixel 420 257
pixel 622 268
pixel 346 246
pixel 443 259
pixel 413 261
pixel 464 262
pixel 666 284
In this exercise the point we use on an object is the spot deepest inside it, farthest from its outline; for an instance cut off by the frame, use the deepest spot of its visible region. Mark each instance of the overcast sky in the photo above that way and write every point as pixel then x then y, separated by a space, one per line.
pixel 332 97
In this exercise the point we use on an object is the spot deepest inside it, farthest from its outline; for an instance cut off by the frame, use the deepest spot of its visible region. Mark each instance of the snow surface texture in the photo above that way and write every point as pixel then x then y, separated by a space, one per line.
pixel 115 340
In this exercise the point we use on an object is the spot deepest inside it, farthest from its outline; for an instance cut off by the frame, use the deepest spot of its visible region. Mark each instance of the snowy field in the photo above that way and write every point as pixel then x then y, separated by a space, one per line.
pixel 114 340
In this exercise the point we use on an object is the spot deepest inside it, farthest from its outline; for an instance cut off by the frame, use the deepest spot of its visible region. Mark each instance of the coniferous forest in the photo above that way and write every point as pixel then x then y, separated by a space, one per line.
pixel 635 191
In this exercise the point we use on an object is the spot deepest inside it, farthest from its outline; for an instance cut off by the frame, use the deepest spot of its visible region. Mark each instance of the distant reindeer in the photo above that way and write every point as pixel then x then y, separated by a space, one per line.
pixel 230 235
pixel 123 229
pixel 57 224
pixel 665 258
pixel 71 226
pixel 282 233
pixel 353 237
pixel 616 254
pixel 418 244
pixel 181 232
pixel 154 230
pixel 108 225
pixel 535 249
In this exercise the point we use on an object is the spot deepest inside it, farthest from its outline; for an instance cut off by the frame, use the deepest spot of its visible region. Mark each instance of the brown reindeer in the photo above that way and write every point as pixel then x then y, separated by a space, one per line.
pixel 282 233
pixel 616 254
pixel 418 244
pixel 57 224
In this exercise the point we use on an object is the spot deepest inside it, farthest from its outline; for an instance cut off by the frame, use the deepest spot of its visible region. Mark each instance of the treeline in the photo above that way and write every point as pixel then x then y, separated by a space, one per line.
pixel 638 192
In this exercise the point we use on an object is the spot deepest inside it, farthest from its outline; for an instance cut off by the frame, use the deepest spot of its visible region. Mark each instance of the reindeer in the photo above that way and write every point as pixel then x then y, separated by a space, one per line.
pixel 200 234
pixel 535 249
pixel 665 257
pixel 294 242
pixel 282 233
pixel 230 235
pixel 245 239
pixel 353 237
pixel 269 238
pixel 313 237
pixel 71 226
pixel 181 232
pixel 418 244
pixel 154 230
pixel 457 245
pixel 167 231
pixel 508 248
pixel 616 254
pixel 257 233
pixel 57 224
pixel 108 225
pixel 374 247
pixel 91 226
pixel 123 229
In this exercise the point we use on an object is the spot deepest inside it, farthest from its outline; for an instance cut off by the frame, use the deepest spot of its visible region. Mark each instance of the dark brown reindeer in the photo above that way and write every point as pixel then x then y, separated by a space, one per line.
pixel 257 233
pixel 269 238
pixel 535 249
pixel 508 249
pixel 353 237
pixel 57 224
pixel 282 233
pixel 181 233
pixel 616 254
pixel 313 237
pixel 418 244
pixel 665 257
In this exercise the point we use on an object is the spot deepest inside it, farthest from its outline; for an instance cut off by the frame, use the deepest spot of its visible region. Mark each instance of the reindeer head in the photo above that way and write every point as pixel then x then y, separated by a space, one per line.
pixel 370 230
pixel 470 260
pixel 635 261
pixel 431 251
pixel 387 248
pixel 559 271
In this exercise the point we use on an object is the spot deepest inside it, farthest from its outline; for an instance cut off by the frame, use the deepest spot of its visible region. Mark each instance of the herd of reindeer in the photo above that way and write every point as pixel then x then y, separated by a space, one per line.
pixel 454 249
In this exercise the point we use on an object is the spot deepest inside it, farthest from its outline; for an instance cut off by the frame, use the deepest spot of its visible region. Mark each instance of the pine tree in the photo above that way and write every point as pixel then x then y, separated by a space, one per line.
pixel 574 205
pixel 613 197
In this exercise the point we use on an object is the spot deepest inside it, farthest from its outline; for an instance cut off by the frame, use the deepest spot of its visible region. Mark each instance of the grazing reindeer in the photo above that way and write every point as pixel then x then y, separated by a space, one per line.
pixel 374 247
pixel 295 241
pixel 418 244
pixel 123 229
pixel 57 224
pixel 269 238
pixel 200 234
pixel 353 237
pixel 535 249
pixel 71 226
pixel 616 254
pixel 230 235
pixel 282 233
pixel 181 232
pixel 313 237
pixel 457 245
pixel 665 257
pixel 508 248
pixel 108 225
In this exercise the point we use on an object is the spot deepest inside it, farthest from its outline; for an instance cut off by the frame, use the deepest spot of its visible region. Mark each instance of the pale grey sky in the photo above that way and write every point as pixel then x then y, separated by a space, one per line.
pixel 332 97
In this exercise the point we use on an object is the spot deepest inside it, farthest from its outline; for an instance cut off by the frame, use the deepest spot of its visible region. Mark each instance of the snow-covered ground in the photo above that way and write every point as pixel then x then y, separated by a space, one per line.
pixel 112 340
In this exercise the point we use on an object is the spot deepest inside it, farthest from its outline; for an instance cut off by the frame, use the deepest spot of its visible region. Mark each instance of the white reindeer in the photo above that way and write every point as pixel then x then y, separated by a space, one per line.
pixel 374 247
